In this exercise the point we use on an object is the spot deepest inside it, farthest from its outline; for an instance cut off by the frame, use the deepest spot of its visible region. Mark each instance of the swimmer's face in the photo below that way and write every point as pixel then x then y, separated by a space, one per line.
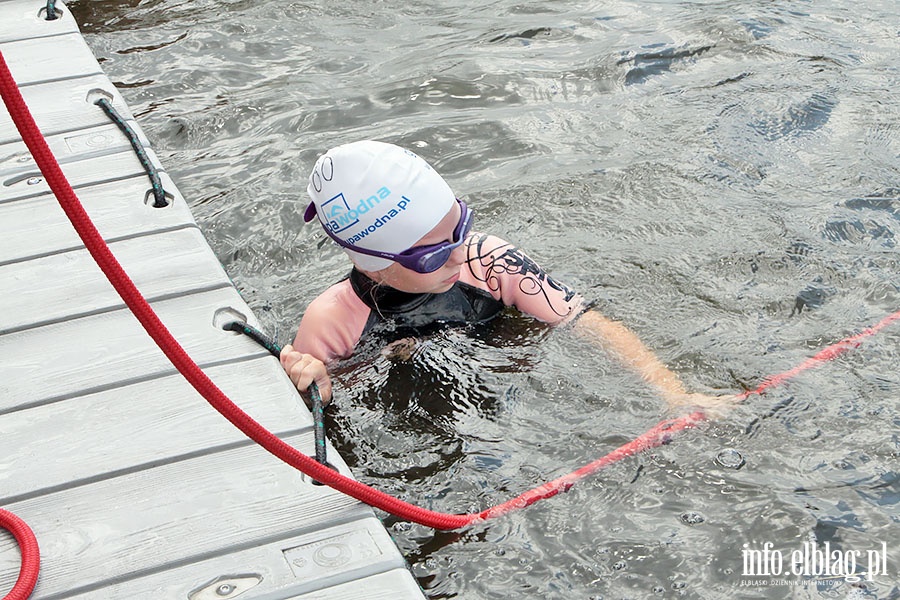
pixel 441 280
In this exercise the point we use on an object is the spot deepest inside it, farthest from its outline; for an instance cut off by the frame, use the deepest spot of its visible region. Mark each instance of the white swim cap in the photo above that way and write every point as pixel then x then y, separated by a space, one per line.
pixel 377 196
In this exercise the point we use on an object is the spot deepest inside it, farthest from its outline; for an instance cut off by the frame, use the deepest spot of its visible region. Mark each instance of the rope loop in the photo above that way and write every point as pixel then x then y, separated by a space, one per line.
pixel 31 555
pixel 159 194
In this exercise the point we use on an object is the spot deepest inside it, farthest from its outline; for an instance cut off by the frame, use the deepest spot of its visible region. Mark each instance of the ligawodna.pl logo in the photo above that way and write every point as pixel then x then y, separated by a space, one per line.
pixel 763 564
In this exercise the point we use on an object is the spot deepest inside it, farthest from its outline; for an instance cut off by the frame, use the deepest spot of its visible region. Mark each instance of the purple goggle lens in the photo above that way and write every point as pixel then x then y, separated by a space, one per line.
pixel 421 259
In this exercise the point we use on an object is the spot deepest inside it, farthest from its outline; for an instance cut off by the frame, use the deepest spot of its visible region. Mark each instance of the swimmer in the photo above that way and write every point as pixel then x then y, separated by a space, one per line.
pixel 417 261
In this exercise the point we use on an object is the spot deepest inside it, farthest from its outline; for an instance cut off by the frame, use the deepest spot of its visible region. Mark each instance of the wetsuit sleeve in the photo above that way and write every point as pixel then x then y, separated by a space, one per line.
pixel 512 277
pixel 332 324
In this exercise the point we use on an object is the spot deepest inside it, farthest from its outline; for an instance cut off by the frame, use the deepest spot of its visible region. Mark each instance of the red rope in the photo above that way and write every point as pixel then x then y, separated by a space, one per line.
pixel 186 366
pixel 824 355
pixel 95 244
pixel 31 555
pixel 176 354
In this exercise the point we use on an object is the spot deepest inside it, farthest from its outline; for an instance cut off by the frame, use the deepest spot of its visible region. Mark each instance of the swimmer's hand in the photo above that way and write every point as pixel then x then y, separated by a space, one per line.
pixel 303 370
pixel 713 406
pixel 402 349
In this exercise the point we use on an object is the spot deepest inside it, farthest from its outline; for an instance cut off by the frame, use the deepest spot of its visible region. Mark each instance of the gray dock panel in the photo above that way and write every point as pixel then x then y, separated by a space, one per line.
pixel 118 210
pixel 133 484
pixel 24 20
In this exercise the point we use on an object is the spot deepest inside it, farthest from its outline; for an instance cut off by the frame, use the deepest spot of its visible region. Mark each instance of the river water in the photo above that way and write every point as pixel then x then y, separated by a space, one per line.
pixel 723 177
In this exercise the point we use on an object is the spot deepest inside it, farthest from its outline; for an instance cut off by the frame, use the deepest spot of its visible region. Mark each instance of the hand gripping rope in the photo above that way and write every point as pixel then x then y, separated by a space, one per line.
pixel 318 411
pixel 656 436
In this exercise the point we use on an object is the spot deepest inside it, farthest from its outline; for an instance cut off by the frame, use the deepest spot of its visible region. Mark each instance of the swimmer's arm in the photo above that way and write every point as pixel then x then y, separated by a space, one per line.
pixel 628 348
pixel 330 328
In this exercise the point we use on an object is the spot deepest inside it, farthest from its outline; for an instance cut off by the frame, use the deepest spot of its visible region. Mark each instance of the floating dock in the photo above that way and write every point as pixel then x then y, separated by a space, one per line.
pixel 134 486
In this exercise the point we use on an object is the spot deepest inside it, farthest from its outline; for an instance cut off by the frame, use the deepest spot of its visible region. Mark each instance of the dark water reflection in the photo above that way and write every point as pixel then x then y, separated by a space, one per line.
pixel 721 176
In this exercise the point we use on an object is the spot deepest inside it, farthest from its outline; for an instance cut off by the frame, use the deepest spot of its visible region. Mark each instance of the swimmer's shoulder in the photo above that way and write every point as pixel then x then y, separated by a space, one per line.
pixel 483 251
pixel 332 323
pixel 510 275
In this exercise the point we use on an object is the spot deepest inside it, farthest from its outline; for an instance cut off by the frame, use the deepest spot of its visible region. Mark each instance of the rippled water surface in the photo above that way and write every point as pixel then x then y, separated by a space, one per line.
pixel 723 177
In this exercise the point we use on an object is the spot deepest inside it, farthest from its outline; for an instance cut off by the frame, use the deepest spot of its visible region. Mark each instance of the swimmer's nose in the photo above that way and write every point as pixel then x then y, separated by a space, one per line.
pixel 457 256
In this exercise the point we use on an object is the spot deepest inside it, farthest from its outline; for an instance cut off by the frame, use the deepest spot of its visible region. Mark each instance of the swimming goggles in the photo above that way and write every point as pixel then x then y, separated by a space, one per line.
pixel 421 259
